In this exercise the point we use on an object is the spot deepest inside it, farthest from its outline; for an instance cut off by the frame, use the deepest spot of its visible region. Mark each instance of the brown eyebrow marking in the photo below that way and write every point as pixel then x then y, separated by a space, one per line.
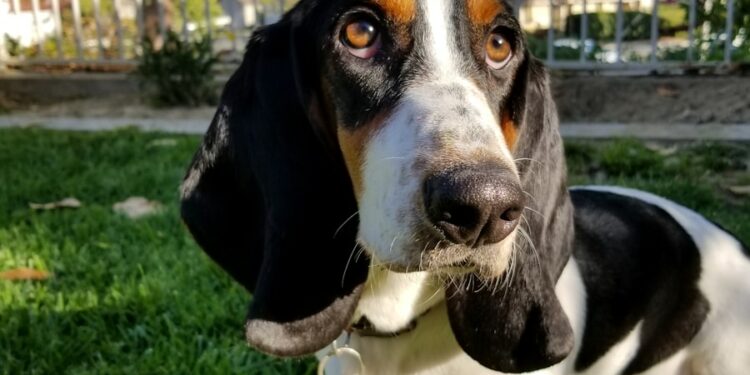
pixel 483 12
pixel 401 11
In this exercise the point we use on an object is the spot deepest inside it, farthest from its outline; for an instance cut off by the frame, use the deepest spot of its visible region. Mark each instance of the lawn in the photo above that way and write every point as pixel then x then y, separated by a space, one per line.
pixel 138 296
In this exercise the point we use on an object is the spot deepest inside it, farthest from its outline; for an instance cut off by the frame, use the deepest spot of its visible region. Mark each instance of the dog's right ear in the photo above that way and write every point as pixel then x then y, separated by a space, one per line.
pixel 272 204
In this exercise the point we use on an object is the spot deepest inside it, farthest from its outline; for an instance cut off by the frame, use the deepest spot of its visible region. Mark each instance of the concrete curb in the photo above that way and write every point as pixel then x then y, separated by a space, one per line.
pixel 671 132
pixel 180 126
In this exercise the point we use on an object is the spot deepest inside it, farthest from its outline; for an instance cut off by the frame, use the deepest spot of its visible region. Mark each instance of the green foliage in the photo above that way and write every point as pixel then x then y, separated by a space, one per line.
pixel 716 15
pixel 180 73
pixel 630 158
pixel 715 156
pixel 12 46
pixel 693 174
pixel 636 25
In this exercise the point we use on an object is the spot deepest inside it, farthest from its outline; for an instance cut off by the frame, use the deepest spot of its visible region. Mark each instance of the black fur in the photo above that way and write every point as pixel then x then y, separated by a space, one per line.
pixel 638 264
pixel 265 196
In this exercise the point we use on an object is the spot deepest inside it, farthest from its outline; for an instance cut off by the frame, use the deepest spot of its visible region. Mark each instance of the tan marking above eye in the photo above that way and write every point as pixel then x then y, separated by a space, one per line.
pixel 497 47
pixel 401 11
pixel 483 12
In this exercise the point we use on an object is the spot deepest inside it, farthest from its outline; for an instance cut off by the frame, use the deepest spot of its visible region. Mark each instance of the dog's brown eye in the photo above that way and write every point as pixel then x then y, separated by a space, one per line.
pixel 499 51
pixel 362 38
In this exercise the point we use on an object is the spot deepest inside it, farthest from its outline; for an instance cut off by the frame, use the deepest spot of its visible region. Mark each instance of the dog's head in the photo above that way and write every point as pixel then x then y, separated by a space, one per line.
pixel 418 131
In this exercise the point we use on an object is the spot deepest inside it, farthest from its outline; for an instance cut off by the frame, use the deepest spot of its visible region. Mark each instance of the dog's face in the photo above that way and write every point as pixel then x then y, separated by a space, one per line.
pixel 418 90
pixel 428 119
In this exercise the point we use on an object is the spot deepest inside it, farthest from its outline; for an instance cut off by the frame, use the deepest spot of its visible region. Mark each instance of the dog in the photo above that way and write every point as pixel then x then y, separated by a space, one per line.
pixel 387 178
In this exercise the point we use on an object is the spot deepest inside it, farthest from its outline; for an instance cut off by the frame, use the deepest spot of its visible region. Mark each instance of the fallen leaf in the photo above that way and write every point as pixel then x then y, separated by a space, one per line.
pixel 740 190
pixel 667 91
pixel 137 207
pixel 65 203
pixel 24 274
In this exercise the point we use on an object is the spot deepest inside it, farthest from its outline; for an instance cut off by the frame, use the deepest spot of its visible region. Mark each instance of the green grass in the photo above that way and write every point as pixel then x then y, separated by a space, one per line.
pixel 139 297
pixel 127 297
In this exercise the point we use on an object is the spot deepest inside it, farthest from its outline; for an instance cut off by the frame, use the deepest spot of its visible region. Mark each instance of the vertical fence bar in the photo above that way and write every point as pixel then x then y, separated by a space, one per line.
pixel 551 33
pixel 654 30
pixel 236 27
pixel 98 23
pixel 16 6
pixel 162 21
pixel 584 31
pixel 256 8
pixel 691 31
pixel 619 23
pixel 37 31
pixel 140 21
pixel 730 25
pixel 209 21
pixel 58 28
pixel 4 55
pixel 76 8
pixel 183 15
pixel 118 28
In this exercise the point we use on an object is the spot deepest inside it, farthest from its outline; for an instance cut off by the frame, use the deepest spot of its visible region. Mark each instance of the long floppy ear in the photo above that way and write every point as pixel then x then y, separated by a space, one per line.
pixel 521 326
pixel 272 203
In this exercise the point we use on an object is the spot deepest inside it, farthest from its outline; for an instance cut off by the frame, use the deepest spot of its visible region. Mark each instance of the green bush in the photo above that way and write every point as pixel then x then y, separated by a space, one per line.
pixel 636 25
pixel 178 74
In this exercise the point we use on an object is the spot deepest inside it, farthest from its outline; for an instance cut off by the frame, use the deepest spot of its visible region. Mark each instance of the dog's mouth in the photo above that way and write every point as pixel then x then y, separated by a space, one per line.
pixel 447 259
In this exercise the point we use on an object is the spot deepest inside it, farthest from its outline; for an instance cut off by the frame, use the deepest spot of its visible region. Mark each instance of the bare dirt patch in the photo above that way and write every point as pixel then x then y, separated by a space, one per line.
pixel 653 100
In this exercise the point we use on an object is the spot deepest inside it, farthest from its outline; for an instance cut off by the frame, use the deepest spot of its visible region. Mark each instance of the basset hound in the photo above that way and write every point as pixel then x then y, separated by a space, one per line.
pixel 387 178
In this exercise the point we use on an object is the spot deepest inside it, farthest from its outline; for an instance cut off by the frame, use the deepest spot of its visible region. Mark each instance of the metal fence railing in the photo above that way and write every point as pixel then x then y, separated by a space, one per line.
pixel 567 34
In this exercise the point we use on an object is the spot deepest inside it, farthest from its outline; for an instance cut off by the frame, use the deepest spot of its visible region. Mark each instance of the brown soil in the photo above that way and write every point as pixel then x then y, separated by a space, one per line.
pixel 582 99
pixel 653 100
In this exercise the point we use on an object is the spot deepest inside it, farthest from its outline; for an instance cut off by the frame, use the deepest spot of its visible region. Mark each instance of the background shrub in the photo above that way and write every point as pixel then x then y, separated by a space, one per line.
pixel 180 73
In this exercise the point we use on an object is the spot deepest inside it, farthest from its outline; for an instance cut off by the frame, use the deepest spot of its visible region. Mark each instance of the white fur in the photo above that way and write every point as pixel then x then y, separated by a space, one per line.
pixel 392 300
pixel 437 14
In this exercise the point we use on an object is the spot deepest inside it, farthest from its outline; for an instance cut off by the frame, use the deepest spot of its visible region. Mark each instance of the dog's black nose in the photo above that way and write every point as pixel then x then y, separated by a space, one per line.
pixel 474 206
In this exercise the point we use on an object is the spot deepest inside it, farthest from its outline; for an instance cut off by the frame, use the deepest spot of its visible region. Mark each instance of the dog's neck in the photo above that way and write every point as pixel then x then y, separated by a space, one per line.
pixel 392 301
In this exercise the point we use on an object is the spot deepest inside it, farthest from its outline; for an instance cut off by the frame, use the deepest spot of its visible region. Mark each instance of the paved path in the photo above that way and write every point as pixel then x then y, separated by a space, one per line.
pixel 673 132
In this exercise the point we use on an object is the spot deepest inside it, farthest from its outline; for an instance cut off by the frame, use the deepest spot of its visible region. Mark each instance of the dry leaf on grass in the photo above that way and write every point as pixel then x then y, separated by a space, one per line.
pixel 24 274
pixel 137 207
pixel 65 203
pixel 740 190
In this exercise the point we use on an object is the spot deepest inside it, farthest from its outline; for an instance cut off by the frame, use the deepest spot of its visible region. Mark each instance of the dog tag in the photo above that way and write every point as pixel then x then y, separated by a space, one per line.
pixel 349 361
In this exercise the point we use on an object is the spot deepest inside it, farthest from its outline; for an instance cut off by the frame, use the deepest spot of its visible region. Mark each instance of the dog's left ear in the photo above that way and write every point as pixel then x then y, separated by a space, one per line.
pixel 521 326
pixel 269 199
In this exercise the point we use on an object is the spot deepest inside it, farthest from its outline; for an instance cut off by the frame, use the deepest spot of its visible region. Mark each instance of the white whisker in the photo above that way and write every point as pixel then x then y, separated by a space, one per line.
pixel 344 224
